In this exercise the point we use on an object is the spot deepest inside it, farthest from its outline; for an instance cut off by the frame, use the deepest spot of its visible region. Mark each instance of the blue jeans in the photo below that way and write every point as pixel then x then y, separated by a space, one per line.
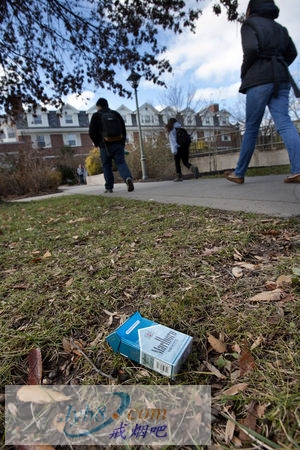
pixel 257 99
pixel 113 151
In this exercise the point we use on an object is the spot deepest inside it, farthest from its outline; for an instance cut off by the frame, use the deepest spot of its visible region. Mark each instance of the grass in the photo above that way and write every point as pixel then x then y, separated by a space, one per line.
pixel 68 261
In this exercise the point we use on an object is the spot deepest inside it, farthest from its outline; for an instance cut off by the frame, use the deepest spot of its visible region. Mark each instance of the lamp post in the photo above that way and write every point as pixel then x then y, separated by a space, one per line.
pixel 133 80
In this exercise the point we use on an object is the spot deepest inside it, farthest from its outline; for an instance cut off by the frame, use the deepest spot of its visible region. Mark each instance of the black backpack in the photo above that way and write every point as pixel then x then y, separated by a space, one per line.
pixel 182 137
pixel 111 126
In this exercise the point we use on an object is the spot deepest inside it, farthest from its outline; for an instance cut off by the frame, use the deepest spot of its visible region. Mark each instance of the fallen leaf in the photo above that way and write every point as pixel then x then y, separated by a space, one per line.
pixel 35 366
pixel 247 266
pixel 249 422
pixel 257 342
pixel 40 394
pixel 97 339
pixel 284 281
pixel 73 346
pixel 233 390
pixel 246 361
pixel 216 344
pixel 268 296
pixel 69 282
pixel 236 348
pixel 229 431
pixel 211 251
pixel 214 370
pixel 237 255
pixel 260 411
pixel 271 285
pixel 237 272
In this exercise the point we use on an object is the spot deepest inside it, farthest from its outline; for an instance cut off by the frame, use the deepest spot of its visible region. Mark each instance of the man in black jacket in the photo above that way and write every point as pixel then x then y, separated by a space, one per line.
pixel 268 51
pixel 111 147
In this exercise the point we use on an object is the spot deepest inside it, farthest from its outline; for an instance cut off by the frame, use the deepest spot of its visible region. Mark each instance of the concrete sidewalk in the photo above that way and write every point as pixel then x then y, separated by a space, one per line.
pixel 263 195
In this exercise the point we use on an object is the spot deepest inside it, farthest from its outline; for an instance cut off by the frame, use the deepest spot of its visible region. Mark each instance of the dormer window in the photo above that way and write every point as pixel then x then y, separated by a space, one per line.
pixel 68 118
pixel 37 120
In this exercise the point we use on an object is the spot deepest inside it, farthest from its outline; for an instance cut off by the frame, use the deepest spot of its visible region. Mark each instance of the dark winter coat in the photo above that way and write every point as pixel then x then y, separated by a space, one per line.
pixel 268 51
pixel 95 128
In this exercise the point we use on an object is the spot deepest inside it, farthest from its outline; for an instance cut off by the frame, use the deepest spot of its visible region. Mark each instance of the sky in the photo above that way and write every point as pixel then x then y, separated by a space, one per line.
pixel 206 63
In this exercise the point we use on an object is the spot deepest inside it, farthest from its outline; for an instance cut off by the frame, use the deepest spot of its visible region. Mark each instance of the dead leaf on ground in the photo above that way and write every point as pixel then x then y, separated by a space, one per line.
pixel 73 345
pixel 246 361
pixel 233 390
pixel 271 285
pixel 249 422
pixel 229 431
pixel 80 219
pixel 237 272
pixel 211 251
pixel 21 287
pixel 97 339
pixel 216 344
pixel 46 255
pixel 40 395
pixel 284 281
pixel 257 342
pixel 35 366
pixel 214 370
pixel 260 411
pixel 69 282
pixel 246 265
pixel 236 348
pixel 268 296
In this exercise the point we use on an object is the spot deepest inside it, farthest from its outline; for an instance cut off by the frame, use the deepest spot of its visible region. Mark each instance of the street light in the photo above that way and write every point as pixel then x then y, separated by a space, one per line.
pixel 133 80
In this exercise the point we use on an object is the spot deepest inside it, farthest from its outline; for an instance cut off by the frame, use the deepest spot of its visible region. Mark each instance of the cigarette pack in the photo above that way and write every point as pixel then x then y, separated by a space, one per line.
pixel 153 345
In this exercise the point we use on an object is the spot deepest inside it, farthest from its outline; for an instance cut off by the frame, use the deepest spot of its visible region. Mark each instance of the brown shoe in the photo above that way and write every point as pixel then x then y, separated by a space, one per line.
pixel 293 178
pixel 234 178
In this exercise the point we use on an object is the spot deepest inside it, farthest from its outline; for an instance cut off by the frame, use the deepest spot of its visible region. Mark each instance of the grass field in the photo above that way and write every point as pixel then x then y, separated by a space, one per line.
pixel 73 268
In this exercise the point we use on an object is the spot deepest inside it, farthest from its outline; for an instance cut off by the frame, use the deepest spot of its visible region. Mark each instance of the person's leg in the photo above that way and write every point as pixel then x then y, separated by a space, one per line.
pixel 257 99
pixel 119 157
pixel 107 169
pixel 279 109
pixel 177 159
pixel 185 157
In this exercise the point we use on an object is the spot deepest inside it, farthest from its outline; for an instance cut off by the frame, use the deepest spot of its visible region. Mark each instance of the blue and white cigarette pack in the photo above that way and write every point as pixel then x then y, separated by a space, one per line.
pixel 153 345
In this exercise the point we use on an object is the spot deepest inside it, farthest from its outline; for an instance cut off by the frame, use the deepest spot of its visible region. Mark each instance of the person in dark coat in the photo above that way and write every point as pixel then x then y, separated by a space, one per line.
pixel 268 50
pixel 110 151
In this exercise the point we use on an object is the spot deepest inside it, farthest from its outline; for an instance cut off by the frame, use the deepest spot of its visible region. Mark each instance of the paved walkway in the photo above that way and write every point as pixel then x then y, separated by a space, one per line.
pixel 264 194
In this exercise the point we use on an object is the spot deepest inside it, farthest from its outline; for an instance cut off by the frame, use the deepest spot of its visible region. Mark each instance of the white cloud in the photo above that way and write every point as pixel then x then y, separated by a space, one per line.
pixel 209 60
pixel 83 101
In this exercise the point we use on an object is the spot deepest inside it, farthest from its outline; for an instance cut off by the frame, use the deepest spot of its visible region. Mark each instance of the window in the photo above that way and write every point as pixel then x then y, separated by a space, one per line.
pixel 71 140
pixel 41 142
pixel 226 138
pixel 147 119
pixel 11 133
pixel 68 118
pixel 37 120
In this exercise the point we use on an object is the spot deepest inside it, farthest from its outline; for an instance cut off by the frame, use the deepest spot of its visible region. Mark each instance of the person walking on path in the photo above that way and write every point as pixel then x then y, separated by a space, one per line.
pixel 108 132
pixel 80 173
pixel 268 50
pixel 181 149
